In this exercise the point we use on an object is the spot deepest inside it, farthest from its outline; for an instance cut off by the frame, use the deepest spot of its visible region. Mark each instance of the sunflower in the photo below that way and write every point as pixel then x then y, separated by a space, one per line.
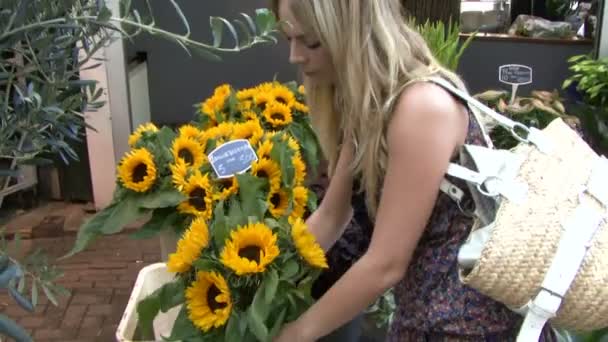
pixel 190 132
pixel 292 143
pixel 283 95
pixel 179 174
pixel 300 107
pixel 278 202
pixel 265 87
pixel 200 196
pixel 265 148
pixel 246 94
pixel 300 198
pixel 266 168
pixel 300 169
pixel 250 249
pixel 277 114
pixel 135 136
pixel 220 133
pixel 244 106
pixel 251 130
pixel 307 246
pixel 226 187
pixel 249 115
pixel 302 90
pixel 190 151
pixel 137 170
pixel 215 104
pixel 209 301
pixel 263 99
pixel 189 247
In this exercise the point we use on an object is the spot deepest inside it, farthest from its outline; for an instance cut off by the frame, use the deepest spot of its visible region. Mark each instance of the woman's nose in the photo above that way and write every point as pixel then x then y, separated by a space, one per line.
pixel 295 53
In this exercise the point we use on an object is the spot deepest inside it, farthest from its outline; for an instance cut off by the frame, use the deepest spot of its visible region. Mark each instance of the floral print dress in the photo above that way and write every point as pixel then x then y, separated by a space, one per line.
pixel 432 303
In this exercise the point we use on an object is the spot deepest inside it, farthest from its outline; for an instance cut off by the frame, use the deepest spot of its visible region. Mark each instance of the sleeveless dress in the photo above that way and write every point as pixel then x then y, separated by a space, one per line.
pixel 432 303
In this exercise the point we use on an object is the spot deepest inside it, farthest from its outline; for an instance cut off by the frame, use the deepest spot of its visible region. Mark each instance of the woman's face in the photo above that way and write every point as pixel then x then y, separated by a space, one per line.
pixel 305 48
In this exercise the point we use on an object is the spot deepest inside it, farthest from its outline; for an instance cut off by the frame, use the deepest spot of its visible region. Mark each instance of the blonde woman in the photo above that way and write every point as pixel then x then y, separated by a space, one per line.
pixel 389 137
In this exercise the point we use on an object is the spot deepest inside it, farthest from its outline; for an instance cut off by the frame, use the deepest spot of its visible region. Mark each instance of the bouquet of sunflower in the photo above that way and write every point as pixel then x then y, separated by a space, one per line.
pixel 232 186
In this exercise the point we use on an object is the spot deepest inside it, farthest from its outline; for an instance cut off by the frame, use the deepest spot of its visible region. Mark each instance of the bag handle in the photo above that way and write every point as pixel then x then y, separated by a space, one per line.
pixel 531 135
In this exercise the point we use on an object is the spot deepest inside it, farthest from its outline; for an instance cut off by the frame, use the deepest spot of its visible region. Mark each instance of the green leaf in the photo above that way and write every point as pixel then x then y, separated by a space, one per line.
pixel 104 14
pixel 183 329
pixel 271 282
pixel 12 271
pixel 110 220
pixel 220 228
pixel 21 300
pixel 49 294
pixel 161 219
pixel 278 323
pixel 283 154
pixel 312 201
pixel 147 310
pixel 235 330
pixel 250 192
pixel 236 217
pixel 204 265
pixel 34 293
pixel 265 20
pixel 256 325
pixel 217 28
pixel 4 260
pixel 172 295
pixel 10 328
pixel 21 285
pixel 290 269
pixel 163 198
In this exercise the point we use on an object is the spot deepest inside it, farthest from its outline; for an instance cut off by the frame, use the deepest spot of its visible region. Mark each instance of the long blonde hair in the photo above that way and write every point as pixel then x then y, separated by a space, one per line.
pixel 375 55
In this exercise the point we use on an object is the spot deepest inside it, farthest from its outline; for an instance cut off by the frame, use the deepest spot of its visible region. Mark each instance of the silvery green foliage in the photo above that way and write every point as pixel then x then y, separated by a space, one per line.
pixel 45 43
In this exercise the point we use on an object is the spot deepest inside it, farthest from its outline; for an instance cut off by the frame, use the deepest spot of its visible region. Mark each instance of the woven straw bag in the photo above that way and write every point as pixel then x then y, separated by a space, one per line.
pixel 540 240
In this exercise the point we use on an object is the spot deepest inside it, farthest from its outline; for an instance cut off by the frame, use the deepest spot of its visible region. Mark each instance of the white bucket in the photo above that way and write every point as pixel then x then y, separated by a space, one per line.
pixel 150 279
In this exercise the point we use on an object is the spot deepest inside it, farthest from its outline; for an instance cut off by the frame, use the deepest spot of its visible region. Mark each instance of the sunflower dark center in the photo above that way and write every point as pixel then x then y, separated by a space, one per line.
pixel 224 183
pixel 197 199
pixel 275 200
pixel 281 100
pixel 211 302
pixel 262 105
pixel 250 253
pixel 140 172
pixel 262 174
pixel 277 116
pixel 186 155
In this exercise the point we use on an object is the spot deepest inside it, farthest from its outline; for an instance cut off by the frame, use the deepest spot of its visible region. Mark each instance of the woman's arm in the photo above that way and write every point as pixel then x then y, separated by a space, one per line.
pixel 427 127
pixel 333 214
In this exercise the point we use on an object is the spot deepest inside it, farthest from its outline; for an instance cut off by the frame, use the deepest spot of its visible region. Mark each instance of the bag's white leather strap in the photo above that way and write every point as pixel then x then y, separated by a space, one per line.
pixel 579 231
pixel 533 136
pixel 490 185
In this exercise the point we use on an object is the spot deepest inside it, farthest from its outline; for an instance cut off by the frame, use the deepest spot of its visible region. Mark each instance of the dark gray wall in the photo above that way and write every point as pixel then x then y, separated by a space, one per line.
pixel 178 81
pixel 480 62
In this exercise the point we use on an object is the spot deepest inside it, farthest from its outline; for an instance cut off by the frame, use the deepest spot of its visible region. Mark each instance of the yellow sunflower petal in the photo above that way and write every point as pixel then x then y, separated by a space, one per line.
pixel 209 301
pixel 226 188
pixel 200 196
pixel 266 168
pixel 277 114
pixel 300 169
pixel 283 95
pixel 137 170
pixel 190 151
pixel 135 136
pixel 302 90
pixel 300 200
pixel 251 130
pixel 264 149
pixel 307 246
pixel 189 247
pixel 190 132
pixel 250 249
pixel 179 174
pixel 300 107
pixel 278 203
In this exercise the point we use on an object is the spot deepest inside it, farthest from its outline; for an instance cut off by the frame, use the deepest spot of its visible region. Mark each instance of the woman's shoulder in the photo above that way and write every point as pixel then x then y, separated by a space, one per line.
pixel 425 107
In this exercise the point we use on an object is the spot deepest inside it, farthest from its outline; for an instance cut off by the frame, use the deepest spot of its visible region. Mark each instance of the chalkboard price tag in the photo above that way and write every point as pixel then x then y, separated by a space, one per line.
pixel 232 158
pixel 515 74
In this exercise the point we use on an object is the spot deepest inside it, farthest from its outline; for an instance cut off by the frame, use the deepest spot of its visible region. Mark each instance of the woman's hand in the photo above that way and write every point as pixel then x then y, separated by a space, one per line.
pixel 293 332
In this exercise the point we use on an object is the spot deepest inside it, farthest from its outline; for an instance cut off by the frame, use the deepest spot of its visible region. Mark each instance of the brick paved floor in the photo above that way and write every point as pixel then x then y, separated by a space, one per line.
pixel 100 279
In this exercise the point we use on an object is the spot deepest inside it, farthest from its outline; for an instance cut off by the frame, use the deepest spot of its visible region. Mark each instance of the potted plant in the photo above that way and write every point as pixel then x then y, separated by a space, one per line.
pixel 590 79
